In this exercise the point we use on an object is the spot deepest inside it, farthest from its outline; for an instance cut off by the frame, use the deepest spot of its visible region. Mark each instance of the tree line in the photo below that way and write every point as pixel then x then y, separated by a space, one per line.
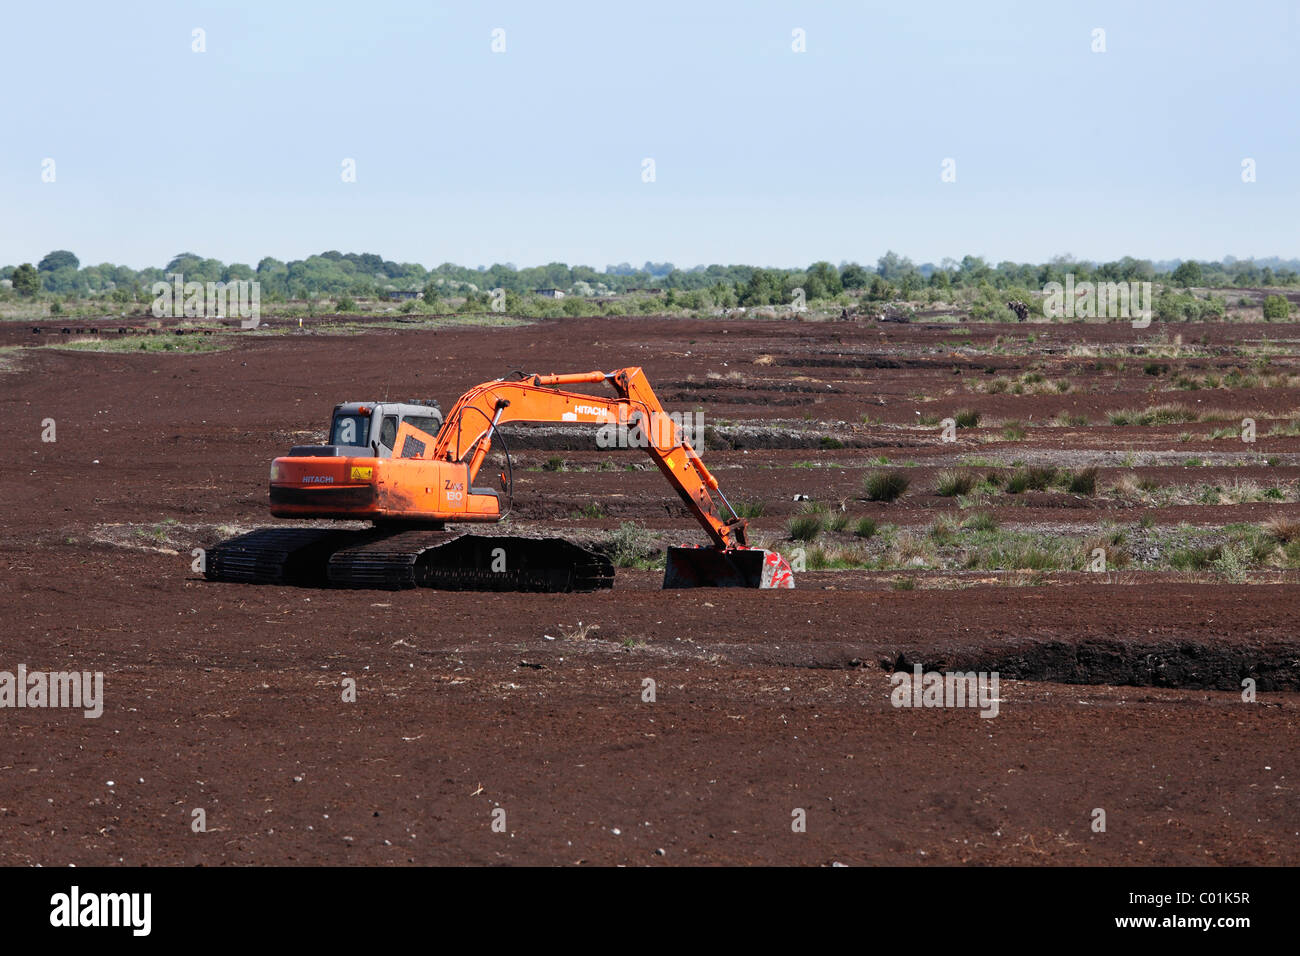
pixel 332 274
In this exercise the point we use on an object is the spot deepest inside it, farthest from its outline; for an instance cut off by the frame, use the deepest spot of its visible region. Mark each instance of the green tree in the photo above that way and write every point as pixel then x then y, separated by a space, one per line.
pixel 880 290
pixel 195 268
pixel 724 295
pixel 763 288
pixel 891 266
pixel 1188 274
pixel 973 269
pixel 58 259
pixel 64 281
pixel 26 280
pixel 236 271
pixel 823 281
pixel 853 276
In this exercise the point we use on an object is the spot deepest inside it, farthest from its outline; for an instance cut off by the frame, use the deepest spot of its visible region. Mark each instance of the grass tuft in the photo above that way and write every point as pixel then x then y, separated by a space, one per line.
pixel 804 527
pixel 885 485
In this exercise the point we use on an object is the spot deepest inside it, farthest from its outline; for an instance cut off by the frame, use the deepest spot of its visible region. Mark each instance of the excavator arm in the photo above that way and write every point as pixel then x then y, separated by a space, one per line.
pixel 466 434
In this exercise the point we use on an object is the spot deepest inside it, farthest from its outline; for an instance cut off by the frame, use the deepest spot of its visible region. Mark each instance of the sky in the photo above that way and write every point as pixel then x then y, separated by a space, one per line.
pixel 762 153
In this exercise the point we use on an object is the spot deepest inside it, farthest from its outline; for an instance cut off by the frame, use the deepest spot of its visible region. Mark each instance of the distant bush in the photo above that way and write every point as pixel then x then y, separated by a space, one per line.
pixel 1171 306
pixel 967 418
pixel 1276 308
pixel 865 528
pixel 991 304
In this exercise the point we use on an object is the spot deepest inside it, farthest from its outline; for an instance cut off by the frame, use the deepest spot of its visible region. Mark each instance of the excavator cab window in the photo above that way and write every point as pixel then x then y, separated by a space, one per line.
pixel 350 429
pixel 388 432
pixel 429 424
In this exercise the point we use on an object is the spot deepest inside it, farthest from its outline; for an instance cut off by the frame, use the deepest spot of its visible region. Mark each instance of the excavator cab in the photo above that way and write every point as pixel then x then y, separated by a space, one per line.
pixel 369 429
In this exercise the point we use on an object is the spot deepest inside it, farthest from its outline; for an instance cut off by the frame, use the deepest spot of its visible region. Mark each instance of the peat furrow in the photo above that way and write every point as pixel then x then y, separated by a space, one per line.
pixel 1202 664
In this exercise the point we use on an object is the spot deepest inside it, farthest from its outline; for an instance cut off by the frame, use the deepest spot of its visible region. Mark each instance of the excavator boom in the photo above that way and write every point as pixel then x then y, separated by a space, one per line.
pixel 466 435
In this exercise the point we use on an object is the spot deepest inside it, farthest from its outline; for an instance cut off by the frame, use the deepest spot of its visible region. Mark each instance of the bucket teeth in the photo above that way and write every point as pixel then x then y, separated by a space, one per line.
pixel 729 568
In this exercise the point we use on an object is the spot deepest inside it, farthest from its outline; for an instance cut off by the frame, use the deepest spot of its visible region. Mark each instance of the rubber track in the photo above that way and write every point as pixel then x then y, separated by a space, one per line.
pixel 396 560
pixel 294 556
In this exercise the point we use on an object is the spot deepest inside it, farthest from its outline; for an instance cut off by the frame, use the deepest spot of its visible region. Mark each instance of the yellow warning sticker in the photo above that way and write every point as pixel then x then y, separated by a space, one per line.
pixel 361 474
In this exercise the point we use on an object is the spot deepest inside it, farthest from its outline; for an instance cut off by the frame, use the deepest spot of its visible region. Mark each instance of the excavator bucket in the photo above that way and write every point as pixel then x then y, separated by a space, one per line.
pixel 730 568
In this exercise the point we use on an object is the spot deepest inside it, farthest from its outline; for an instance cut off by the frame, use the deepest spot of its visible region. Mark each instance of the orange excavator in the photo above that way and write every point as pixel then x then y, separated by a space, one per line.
pixel 410 472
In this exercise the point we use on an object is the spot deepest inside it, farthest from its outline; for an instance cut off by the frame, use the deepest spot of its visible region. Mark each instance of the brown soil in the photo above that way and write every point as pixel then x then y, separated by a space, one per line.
pixel 1121 693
